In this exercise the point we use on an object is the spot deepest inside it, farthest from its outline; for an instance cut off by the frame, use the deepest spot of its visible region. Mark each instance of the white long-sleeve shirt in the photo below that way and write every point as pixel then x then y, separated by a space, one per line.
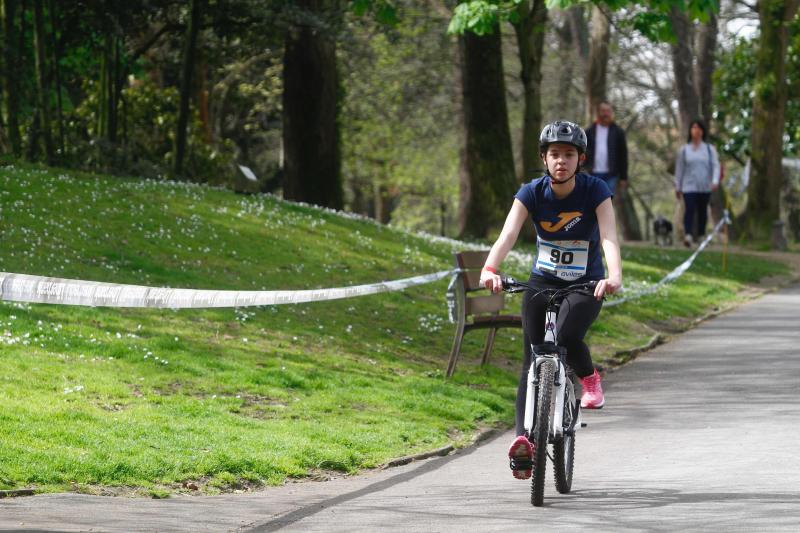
pixel 696 169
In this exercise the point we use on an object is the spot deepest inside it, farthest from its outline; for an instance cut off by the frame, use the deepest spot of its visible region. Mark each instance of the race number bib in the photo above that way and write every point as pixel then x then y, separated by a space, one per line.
pixel 564 259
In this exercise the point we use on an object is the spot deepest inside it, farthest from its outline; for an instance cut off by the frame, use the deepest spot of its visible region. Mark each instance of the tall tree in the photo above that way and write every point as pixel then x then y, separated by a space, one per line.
pixel 10 75
pixel 596 82
pixel 42 80
pixel 704 67
pixel 682 64
pixel 312 154
pixel 51 6
pixel 596 74
pixel 187 74
pixel 488 180
pixel 693 65
pixel 769 103
pixel 487 159
pixel 110 84
pixel 530 29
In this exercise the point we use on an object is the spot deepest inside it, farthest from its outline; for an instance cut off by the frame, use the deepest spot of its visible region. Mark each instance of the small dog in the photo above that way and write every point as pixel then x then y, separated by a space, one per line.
pixel 662 231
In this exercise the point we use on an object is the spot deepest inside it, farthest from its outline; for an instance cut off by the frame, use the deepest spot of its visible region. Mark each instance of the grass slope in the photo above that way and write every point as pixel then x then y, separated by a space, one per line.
pixel 149 401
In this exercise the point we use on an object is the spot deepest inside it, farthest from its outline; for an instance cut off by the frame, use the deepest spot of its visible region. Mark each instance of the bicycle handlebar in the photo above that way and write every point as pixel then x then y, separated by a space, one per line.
pixel 512 285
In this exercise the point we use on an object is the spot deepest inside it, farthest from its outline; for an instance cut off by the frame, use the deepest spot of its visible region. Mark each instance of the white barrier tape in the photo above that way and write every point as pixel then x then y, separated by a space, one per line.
pixel 39 289
pixel 678 271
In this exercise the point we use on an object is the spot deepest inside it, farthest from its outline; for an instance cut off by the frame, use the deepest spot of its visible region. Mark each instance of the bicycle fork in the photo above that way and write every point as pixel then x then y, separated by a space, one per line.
pixel 563 388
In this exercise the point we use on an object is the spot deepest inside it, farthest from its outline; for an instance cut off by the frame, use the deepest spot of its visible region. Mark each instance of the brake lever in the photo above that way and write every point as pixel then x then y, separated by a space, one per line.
pixel 511 285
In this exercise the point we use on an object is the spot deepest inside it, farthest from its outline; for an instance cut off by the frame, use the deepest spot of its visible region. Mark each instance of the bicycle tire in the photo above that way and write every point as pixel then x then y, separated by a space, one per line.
pixel 541 431
pixel 564 452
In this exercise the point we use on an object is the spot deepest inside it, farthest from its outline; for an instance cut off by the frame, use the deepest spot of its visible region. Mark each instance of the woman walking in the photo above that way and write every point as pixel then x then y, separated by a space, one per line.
pixel 696 175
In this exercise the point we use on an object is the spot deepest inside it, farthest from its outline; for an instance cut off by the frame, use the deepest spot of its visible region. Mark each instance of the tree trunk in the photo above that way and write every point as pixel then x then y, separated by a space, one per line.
pixel 530 32
pixel 464 188
pixel 42 84
pixel 682 58
pixel 11 54
pixel 312 152
pixel 57 75
pixel 580 33
pixel 103 92
pixel 114 87
pixel 488 158
pixel 573 55
pixel 596 92
pixel 628 218
pixel 202 103
pixel 189 50
pixel 766 177
pixel 704 68
pixel 596 86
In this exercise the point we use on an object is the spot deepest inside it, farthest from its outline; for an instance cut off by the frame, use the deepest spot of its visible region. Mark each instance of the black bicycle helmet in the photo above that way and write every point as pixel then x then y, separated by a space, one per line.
pixel 563 131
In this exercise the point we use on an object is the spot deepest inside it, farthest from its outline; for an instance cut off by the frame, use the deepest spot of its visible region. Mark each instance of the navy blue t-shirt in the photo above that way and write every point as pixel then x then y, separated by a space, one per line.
pixel 568 247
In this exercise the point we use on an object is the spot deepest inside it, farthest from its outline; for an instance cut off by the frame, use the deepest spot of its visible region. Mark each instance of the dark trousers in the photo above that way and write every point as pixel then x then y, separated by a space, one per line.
pixel 575 316
pixel 695 206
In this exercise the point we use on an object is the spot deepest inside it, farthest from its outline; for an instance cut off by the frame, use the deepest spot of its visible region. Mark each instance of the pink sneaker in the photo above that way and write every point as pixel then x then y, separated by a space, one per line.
pixel 520 455
pixel 592 397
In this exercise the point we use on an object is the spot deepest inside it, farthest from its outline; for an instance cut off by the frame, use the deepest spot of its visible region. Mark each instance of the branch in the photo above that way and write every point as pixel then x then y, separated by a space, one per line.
pixel 148 42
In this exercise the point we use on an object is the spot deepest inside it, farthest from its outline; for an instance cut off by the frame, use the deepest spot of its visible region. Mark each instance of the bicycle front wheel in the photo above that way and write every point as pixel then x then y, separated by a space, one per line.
pixel 541 431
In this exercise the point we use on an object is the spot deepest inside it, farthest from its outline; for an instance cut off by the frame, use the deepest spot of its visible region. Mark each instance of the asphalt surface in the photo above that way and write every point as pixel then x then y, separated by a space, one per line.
pixel 699 434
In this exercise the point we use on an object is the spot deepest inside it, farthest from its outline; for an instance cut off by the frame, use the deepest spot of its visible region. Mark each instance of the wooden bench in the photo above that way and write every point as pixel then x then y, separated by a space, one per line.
pixel 476 312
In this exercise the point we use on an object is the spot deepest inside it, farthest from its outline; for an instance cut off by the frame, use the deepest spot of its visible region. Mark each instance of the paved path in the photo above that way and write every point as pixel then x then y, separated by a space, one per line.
pixel 699 434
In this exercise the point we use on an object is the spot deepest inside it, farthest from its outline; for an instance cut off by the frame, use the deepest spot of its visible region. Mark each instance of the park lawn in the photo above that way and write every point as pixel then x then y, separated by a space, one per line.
pixel 146 401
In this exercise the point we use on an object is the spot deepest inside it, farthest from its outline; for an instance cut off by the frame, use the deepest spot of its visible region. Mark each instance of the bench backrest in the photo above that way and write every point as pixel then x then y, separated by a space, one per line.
pixel 471 262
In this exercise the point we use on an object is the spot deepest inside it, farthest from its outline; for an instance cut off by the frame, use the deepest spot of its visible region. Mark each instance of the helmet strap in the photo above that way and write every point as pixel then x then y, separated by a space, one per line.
pixel 553 180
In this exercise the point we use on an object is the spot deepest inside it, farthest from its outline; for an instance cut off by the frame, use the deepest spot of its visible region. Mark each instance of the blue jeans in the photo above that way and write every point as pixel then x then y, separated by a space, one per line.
pixel 696 205
pixel 610 179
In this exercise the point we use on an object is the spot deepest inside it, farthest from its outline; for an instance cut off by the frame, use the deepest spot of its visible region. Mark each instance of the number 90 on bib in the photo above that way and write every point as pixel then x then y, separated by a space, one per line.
pixel 564 259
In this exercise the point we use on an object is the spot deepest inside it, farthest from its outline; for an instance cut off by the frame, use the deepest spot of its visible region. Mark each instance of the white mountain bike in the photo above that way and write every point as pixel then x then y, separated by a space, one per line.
pixel 552 409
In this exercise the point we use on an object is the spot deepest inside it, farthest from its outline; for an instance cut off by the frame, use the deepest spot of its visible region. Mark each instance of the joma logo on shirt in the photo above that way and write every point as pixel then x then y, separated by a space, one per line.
pixel 565 220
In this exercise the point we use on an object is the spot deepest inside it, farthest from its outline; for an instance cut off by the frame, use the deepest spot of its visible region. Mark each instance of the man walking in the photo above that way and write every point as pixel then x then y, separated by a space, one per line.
pixel 607 151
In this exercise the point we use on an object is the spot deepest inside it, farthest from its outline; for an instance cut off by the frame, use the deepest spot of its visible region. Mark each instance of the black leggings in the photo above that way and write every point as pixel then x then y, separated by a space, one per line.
pixel 575 316
pixel 696 207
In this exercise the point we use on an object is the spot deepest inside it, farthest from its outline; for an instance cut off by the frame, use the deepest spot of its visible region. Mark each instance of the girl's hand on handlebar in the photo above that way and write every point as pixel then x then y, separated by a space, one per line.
pixel 491 281
pixel 607 286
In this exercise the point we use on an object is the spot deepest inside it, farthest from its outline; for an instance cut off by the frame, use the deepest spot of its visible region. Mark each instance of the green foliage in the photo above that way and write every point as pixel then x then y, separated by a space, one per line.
pixel 650 18
pixel 145 148
pixel 384 11
pixel 734 90
pixel 654 26
pixel 236 43
pixel 481 16
pixel 398 126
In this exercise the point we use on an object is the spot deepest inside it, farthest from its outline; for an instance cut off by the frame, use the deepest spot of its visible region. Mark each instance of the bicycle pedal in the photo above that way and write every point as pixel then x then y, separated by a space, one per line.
pixel 520 463
pixel 584 424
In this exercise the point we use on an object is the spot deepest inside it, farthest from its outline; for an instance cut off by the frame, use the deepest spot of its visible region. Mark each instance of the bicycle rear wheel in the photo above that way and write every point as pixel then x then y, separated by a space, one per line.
pixel 541 431
pixel 564 446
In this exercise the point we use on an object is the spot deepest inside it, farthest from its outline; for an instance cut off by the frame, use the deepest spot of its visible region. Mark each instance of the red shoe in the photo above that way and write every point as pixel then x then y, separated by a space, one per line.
pixel 520 455
pixel 592 397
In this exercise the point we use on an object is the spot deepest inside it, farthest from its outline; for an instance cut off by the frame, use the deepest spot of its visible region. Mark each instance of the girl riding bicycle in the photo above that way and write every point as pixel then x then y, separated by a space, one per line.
pixel 574 218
